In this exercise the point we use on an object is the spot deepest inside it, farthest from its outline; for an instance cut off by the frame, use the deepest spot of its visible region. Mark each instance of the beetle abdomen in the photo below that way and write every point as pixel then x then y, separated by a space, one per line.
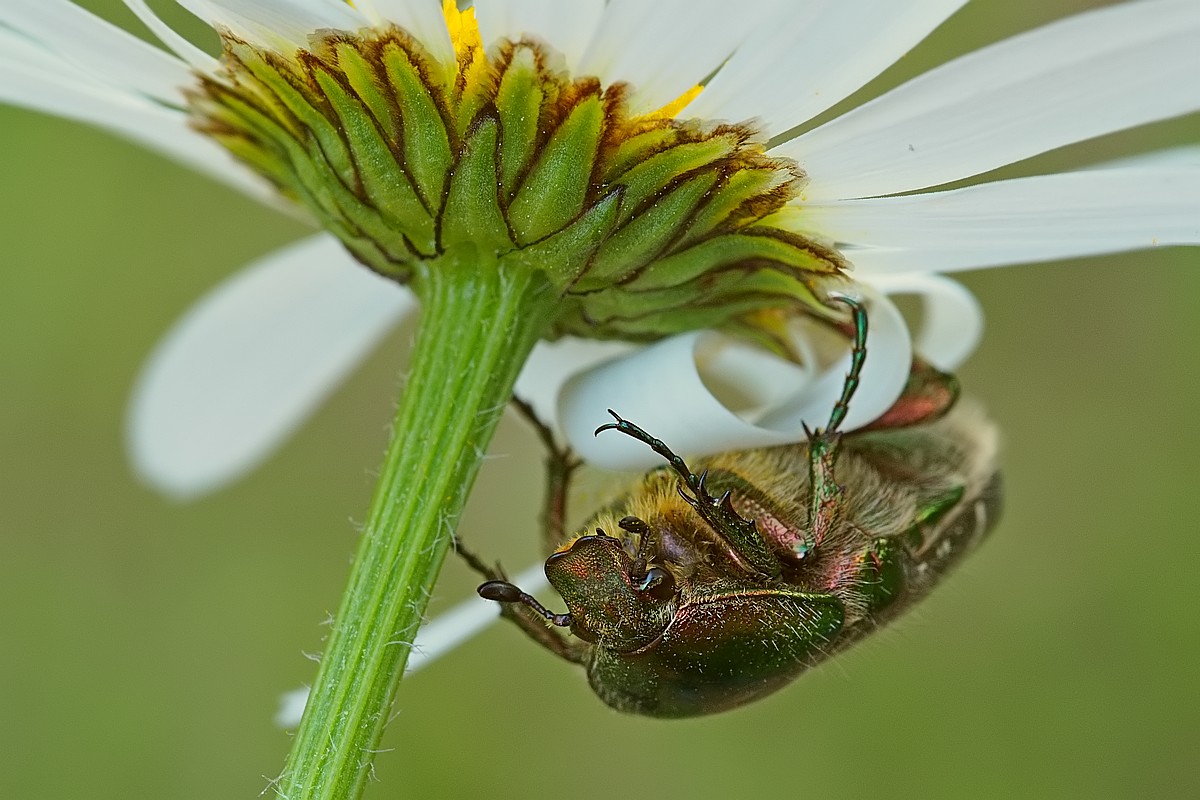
pixel 720 652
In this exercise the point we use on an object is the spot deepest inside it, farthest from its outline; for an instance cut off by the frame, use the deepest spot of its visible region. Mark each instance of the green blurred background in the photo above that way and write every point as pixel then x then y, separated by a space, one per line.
pixel 146 642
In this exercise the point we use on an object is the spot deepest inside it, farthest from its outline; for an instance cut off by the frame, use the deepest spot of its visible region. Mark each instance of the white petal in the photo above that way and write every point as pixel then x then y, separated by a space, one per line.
pixel 291 708
pixel 190 53
pixel 1103 71
pixel 423 19
pixel 565 25
pixel 814 55
pixel 465 620
pixel 69 94
pixel 666 390
pixel 951 321
pixel 446 632
pixel 18 49
pixel 552 364
pixel 370 10
pixel 280 24
pixel 100 49
pixel 665 48
pixel 1182 157
pixel 1040 218
pixel 249 362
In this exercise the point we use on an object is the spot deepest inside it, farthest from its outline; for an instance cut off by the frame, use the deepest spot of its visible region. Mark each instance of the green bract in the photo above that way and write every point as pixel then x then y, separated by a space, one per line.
pixel 645 225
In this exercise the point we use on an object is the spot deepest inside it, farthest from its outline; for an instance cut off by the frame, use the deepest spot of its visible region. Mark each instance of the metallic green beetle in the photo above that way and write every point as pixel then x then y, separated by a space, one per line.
pixel 698 593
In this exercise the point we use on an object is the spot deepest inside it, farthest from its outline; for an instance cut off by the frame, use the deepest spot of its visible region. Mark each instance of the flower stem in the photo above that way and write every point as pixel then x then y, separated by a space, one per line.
pixel 479 322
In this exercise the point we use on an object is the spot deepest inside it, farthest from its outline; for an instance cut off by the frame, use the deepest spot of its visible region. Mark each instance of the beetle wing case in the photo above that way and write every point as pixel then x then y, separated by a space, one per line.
pixel 916 500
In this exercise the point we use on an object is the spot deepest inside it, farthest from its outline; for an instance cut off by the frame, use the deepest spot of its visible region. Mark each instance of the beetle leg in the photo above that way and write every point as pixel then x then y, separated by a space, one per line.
pixel 746 544
pixel 959 530
pixel 920 534
pixel 561 464
pixel 533 625
pixel 825 509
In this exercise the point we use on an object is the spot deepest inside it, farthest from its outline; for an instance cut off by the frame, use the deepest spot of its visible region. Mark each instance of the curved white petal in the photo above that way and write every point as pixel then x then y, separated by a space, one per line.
pixel 566 25
pixel 668 389
pixel 813 55
pixel 449 630
pixel 98 48
pixel 665 48
pixel 552 364
pixel 1088 75
pixel 251 360
pixel 952 319
pixel 1041 218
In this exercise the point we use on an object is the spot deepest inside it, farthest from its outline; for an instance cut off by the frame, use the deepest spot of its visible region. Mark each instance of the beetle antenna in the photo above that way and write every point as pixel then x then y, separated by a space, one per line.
pixel 638 527
pixel 858 355
pixel 505 592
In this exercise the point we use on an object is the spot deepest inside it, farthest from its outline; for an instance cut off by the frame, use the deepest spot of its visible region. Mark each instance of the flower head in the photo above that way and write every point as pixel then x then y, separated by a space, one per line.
pixel 656 161
pixel 645 223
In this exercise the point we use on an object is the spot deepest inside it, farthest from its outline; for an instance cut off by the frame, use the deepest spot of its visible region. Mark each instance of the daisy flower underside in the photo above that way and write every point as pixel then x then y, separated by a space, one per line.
pixel 642 157
pixel 647 225
pixel 407 129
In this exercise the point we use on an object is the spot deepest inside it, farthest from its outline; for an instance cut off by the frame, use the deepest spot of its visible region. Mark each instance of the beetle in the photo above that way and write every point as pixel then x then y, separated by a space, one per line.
pixel 699 592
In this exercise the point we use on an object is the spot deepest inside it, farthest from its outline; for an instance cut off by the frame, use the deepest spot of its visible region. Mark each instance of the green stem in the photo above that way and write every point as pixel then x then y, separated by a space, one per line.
pixel 479 322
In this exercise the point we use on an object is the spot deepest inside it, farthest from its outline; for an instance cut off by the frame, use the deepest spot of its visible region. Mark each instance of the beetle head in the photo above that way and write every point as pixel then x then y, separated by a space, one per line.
pixel 615 601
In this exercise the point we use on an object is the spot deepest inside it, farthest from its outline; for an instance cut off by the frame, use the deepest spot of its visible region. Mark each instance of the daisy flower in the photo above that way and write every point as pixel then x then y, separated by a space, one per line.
pixel 253 359
pixel 616 170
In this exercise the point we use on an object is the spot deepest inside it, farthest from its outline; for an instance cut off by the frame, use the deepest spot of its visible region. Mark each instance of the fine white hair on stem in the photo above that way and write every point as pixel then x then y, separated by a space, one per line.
pixel 446 632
